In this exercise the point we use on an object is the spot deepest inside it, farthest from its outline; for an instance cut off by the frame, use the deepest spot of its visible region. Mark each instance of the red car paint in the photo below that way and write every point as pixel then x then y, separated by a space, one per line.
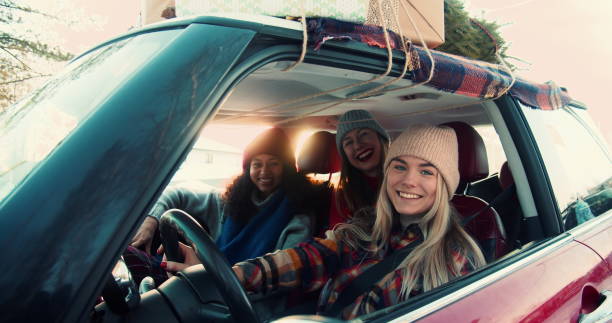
pixel 548 289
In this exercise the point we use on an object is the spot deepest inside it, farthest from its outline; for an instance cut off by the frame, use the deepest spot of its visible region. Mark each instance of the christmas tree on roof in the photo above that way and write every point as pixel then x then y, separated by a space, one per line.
pixel 471 37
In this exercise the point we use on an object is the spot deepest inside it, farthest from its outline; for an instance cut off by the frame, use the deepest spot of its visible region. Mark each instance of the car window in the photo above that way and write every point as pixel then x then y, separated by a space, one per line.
pixel 577 163
pixel 65 101
pixel 495 151
pixel 216 157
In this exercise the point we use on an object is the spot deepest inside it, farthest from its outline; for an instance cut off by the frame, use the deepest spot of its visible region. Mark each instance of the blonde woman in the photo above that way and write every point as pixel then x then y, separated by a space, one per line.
pixel 413 213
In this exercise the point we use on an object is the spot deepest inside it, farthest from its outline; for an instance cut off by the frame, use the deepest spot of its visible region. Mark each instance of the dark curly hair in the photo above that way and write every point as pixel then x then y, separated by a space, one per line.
pixel 305 195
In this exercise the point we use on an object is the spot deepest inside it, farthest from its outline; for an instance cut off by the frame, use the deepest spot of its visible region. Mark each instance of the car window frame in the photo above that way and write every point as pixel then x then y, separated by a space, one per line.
pixel 548 213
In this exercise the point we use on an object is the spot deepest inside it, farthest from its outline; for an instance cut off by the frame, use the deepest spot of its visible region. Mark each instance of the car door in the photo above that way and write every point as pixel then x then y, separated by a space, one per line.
pixel 540 286
pixel 565 274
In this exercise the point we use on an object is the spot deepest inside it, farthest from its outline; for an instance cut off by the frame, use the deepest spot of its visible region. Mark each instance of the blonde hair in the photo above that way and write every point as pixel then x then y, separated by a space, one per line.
pixel 432 260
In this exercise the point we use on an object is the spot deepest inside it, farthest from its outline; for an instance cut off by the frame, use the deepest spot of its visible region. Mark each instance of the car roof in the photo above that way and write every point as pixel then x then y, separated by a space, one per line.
pixel 258 98
pixel 272 96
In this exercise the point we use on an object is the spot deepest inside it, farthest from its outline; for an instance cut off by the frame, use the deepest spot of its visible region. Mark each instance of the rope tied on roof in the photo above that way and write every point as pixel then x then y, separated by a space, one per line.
pixel 502 61
pixel 381 88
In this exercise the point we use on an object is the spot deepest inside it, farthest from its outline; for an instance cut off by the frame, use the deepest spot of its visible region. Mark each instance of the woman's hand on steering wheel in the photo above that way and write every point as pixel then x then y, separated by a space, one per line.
pixel 188 254
pixel 144 236
pixel 176 222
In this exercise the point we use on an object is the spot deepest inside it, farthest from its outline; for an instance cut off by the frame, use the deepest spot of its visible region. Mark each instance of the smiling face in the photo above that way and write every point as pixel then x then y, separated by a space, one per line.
pixel 411 185
pixel 362 148
pixel 266 173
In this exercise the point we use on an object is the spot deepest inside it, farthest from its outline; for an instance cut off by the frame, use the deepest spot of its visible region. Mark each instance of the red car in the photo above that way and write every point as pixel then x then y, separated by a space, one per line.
pixel 85 157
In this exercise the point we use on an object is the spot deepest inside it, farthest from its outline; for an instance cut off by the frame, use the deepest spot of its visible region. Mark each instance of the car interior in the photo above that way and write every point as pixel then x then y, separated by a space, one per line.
pixel 260 99
pixel 291 100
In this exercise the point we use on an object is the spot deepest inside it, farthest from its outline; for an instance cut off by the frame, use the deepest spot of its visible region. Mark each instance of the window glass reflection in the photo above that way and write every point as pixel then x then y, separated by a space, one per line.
pixel 577 162
pixel 32 128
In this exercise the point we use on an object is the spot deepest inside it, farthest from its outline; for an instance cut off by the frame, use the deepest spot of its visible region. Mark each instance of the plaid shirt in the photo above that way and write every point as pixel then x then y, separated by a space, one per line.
pixel 322 263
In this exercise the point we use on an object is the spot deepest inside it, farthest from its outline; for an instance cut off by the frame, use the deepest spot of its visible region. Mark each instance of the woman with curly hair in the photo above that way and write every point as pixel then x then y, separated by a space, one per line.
pixel 267 207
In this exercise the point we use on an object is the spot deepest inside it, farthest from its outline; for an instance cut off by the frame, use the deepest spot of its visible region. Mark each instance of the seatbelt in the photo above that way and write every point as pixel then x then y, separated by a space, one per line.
pixel 368 278
pixel 374 274
pixel 503 196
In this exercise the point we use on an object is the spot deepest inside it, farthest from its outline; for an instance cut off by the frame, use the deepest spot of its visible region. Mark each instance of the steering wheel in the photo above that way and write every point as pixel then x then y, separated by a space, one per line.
pixel 174 222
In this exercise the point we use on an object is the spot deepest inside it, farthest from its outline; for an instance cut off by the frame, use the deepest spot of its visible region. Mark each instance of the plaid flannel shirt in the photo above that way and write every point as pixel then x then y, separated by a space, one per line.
pixel 325 264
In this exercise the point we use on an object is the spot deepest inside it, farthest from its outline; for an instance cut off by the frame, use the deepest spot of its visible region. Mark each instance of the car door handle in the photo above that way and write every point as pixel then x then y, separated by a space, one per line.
pixel 603 313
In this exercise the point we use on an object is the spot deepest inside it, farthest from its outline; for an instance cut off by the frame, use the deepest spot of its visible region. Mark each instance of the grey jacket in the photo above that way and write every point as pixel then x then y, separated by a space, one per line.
pixel 207 208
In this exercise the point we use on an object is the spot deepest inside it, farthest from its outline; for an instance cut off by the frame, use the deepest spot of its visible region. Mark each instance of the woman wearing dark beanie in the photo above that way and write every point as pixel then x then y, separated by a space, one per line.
pixel 267 207
pixel 362 144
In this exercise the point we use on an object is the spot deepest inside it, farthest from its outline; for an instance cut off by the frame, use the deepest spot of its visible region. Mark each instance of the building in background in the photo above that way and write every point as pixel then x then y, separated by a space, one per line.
pixel 210 164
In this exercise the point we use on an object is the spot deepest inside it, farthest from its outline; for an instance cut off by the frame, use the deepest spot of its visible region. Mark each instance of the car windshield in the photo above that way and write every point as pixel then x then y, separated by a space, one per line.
pixel 65 101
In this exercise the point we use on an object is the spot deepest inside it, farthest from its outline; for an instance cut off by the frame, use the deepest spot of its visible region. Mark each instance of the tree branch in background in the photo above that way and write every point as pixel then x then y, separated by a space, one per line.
pixel 16 58
pixel 10 5
pixel 24 79
pixel 19 50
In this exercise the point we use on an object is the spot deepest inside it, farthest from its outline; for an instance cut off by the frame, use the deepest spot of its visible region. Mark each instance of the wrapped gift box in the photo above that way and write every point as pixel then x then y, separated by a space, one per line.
pixel 347 10
pixel 428 15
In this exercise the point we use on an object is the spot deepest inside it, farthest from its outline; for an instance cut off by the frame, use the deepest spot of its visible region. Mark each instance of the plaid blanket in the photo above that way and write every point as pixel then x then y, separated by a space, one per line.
pixel 453 73
pixel 320 30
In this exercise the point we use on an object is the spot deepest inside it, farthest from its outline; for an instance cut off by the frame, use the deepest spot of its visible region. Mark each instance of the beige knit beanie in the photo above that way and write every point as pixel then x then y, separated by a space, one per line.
pixel 435 144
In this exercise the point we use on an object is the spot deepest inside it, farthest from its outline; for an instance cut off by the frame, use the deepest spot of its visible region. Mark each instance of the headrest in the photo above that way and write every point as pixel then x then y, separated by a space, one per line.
pixel 319 154
pixel 473 161
pixel 505 176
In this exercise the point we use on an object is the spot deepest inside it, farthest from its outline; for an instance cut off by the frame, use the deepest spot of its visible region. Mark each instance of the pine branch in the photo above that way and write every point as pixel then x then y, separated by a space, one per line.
pixel 33 47
pixel 24 79
pixel 10 5
pixel 470 37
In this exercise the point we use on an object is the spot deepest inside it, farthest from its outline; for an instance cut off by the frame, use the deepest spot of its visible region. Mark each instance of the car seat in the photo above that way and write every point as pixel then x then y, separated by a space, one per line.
pixel 319 155
pixel 507 205
pixel 478 217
